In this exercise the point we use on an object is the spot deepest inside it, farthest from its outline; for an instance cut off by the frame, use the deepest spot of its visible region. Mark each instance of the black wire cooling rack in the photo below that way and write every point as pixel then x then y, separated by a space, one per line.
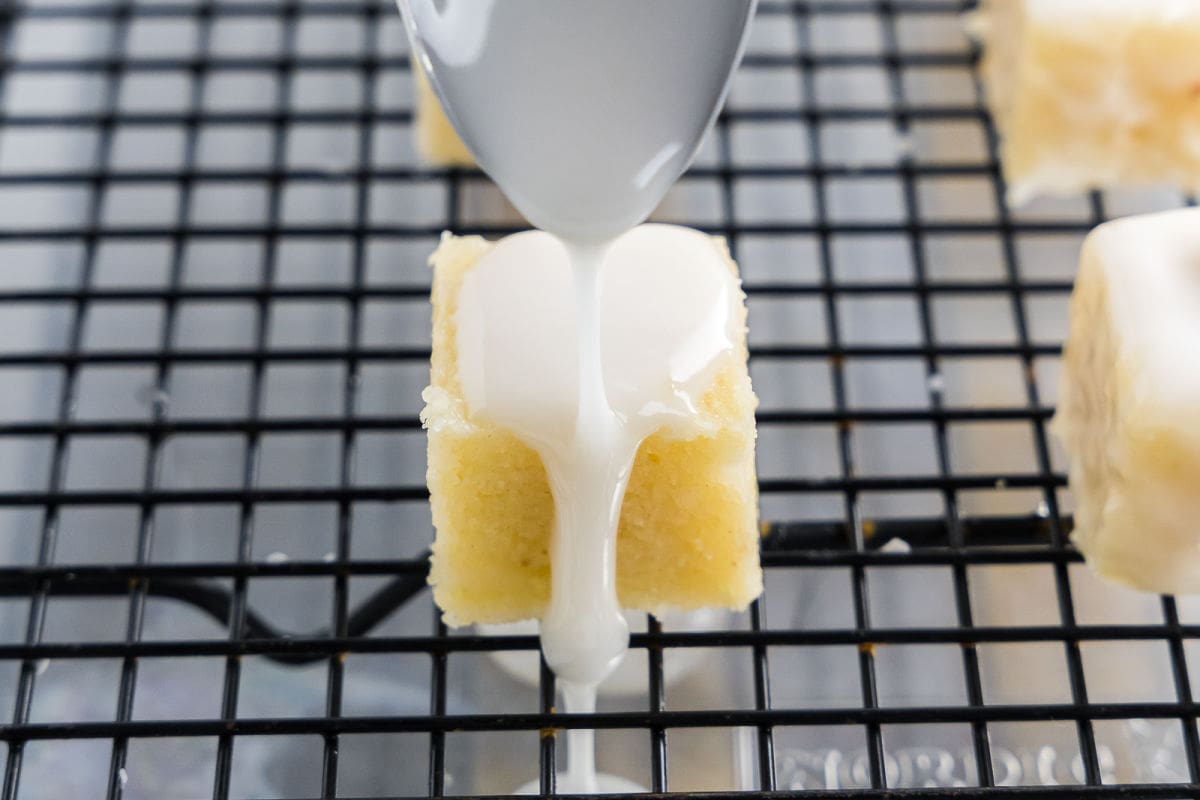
pixel 117 119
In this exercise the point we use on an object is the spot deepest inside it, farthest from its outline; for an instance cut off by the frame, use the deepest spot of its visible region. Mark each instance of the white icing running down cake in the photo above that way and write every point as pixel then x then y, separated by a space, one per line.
pixel 585 117
pixel 1129 406
pixel 1093 93
pixel 669 317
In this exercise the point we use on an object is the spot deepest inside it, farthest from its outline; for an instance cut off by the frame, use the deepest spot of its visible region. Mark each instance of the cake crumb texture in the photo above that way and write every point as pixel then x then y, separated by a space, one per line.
pixel 688 535
pixel 1093 93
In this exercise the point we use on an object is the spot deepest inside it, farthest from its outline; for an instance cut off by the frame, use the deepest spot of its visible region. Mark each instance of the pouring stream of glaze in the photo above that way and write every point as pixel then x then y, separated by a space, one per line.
pixel 585 344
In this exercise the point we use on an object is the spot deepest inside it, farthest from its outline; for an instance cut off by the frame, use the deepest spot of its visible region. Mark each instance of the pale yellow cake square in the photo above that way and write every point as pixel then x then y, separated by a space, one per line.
pixel 688 535
pixel 1094 93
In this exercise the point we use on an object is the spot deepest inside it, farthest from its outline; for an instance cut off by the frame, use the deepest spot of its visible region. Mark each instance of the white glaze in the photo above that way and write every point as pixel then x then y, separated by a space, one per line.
pixel 665 312
pixel 586 344
pixel 1128 400
pixel 583 364
pixel 629 678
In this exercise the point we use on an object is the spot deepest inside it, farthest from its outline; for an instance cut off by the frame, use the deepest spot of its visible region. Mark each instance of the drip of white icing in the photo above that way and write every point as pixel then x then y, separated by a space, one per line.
pixel 581 742
pixel 583 355
pixel 585 117
pixel 584 634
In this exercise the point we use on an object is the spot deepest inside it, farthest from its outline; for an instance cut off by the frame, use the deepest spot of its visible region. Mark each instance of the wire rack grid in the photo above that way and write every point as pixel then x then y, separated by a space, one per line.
pixel 215 330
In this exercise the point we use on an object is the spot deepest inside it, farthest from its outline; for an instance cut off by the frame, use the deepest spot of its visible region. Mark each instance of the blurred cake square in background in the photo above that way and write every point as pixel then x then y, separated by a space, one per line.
pixel 1091 94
